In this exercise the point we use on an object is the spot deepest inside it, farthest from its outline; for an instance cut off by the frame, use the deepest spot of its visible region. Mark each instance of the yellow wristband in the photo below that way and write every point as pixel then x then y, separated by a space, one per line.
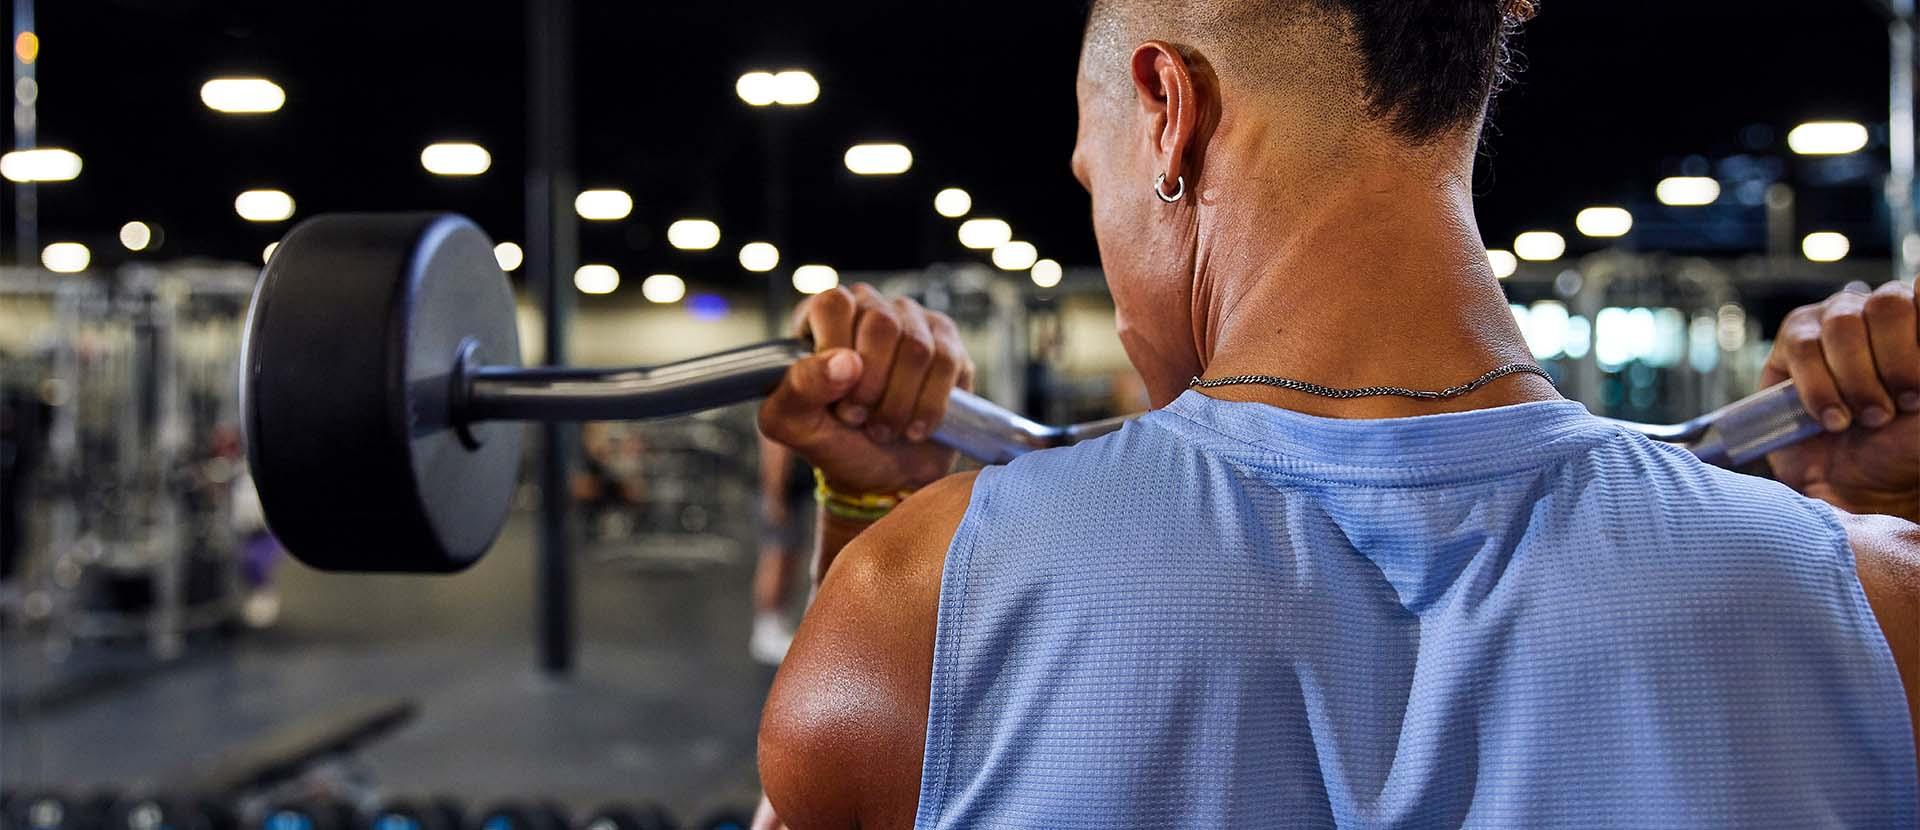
pixel 861 507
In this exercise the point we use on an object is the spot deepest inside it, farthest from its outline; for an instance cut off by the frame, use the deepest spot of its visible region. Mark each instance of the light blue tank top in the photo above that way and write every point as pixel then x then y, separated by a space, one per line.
pixel 1230 615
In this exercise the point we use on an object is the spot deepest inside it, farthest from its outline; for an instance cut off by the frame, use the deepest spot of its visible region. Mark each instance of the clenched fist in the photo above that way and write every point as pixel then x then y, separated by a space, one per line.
pixel 863 406
pixel 1855 358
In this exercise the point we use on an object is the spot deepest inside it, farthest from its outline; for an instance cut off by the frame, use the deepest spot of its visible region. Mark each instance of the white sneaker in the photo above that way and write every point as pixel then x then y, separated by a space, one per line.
pixel 770 639
pixel 261 608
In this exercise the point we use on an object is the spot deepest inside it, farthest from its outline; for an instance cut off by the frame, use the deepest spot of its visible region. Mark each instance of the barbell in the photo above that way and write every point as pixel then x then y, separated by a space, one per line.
pixel 382 370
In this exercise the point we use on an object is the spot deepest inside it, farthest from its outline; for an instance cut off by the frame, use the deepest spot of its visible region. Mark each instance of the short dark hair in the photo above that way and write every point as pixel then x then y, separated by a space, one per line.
pixel 1429 66
pixel 1433 65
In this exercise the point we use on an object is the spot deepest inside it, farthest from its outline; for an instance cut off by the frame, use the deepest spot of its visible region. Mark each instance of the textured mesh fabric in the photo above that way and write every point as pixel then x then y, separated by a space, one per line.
pixel 1232 615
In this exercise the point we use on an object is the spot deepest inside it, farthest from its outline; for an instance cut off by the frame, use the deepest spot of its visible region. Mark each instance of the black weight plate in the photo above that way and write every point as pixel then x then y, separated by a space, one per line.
pixel 352 340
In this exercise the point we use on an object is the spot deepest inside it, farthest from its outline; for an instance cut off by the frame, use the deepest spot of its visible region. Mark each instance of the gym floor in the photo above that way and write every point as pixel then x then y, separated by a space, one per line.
pixel 663 705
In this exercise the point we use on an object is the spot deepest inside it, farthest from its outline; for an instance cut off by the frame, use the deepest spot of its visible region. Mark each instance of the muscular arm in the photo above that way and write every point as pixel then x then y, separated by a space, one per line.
pixel 842 736
pixel 1887 554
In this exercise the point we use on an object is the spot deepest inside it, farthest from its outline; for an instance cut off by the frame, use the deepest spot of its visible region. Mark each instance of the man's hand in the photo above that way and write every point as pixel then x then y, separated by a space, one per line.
pixel 1856 361
pixel 862 407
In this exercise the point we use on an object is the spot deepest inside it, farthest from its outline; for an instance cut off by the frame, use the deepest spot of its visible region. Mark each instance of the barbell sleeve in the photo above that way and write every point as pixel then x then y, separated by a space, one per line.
pixel 1733 435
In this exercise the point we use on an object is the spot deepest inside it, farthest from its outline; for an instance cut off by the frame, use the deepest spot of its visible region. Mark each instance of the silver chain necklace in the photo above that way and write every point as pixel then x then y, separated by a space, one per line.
pixel 1372 391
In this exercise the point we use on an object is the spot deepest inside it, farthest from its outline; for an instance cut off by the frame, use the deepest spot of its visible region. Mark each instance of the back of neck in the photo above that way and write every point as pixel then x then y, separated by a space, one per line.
pixel 1377 280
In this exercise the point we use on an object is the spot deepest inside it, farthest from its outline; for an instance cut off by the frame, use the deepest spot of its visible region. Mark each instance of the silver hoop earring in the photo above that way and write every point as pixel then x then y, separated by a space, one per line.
pixel 1179 188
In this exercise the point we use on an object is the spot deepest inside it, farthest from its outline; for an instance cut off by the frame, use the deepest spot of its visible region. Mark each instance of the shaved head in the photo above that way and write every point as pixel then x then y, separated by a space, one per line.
pixel 1427 68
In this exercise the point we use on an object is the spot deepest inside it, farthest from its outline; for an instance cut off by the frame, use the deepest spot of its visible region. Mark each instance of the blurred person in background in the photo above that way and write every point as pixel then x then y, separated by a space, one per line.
pixel 610 483
pixel 259 553
pixel 786 540
pixel 23 433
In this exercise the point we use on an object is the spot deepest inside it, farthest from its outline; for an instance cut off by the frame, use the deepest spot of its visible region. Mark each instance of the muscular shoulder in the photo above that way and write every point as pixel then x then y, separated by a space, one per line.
pixel 842 735
pixel 1886 552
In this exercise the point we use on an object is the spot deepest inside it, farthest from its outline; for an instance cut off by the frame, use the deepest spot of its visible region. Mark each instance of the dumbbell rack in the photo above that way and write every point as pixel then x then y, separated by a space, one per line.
pixel 153 810
pixel 308 775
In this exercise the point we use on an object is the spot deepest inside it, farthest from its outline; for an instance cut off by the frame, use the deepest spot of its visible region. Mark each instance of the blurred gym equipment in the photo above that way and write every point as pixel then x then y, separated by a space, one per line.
pixel 629 817
pixel 123 451
pixel 522 815
pixel 405 414
pixel 170 810
pixel 435 814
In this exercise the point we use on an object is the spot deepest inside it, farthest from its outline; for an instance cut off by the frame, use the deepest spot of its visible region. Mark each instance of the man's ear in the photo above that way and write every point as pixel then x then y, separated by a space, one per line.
pixel 1164 91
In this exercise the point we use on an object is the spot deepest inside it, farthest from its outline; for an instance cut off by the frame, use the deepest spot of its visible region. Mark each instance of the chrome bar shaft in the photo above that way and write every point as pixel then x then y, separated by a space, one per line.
pixel 980 429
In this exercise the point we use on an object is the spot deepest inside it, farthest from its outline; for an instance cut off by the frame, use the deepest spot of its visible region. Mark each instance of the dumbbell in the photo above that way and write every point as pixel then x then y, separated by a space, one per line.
pixel 313 814
pixel 382 368
pixel 434 814
pixel 644 816
pixel 519 815
pixel 183 812
pixel 727 819
pixel 54 811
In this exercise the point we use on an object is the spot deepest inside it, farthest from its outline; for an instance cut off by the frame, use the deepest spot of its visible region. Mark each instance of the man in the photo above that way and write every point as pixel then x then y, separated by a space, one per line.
pixel 1269 605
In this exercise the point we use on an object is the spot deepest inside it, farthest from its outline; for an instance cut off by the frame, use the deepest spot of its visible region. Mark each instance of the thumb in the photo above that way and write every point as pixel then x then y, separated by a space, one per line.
pixel 809 387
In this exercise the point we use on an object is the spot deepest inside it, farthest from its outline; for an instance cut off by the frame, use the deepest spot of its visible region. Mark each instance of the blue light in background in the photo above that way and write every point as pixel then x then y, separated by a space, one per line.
pixel 707 306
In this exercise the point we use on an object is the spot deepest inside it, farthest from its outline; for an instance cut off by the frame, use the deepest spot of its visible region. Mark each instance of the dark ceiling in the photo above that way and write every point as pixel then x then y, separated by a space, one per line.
pixel 1616 93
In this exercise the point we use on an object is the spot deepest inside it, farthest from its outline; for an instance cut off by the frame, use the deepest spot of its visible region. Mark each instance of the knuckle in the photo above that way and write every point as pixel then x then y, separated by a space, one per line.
pixel 1844 304
pixel 1799 346
pixel 1894 288
pixel 1887 305
pixel 833 302
pixel 879 326
pixel 942 364
pixel 915 350
pixel 942 325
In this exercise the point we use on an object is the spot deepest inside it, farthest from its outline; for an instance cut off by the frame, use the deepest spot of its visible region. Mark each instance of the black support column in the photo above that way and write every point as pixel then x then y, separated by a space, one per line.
pixel 553 251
